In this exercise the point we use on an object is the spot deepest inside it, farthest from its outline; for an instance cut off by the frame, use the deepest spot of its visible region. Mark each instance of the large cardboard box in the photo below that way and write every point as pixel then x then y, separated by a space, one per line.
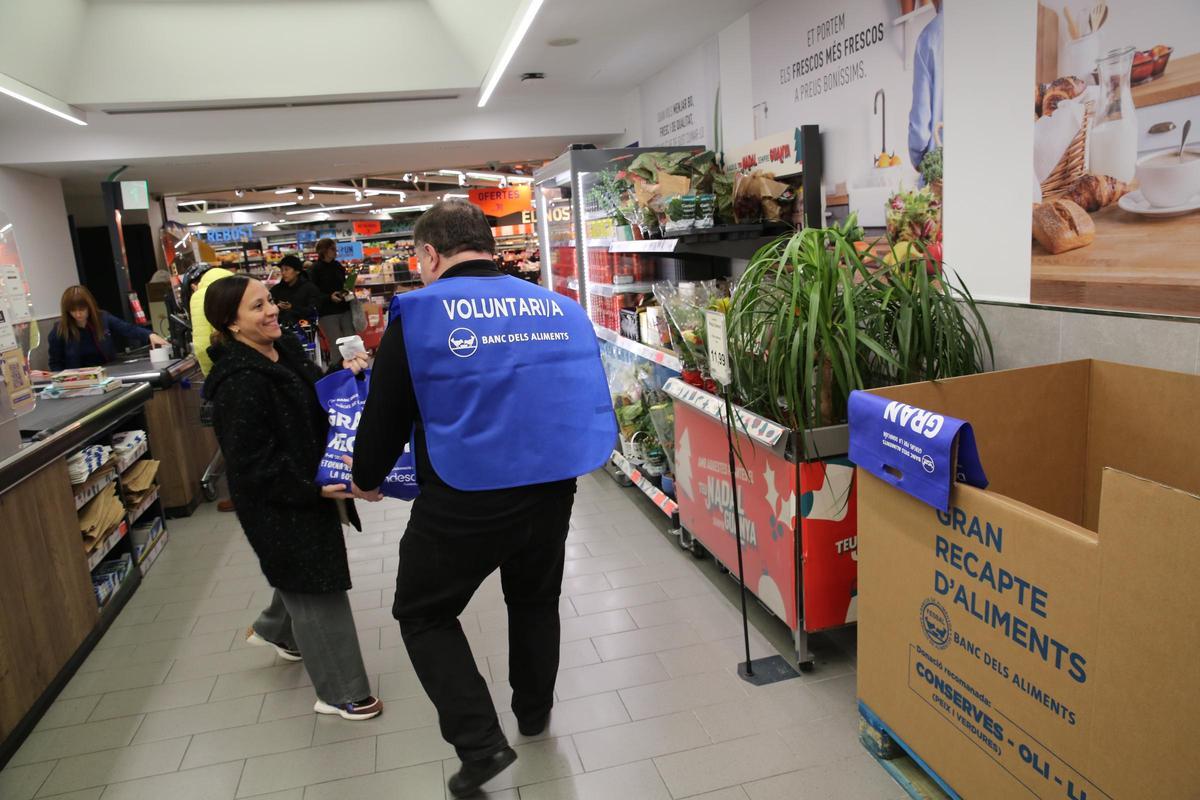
pixel 1042 638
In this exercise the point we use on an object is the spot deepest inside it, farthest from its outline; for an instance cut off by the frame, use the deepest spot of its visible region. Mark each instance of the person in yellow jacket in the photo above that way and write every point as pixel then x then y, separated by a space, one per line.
pixel 202 334
pixel 201 330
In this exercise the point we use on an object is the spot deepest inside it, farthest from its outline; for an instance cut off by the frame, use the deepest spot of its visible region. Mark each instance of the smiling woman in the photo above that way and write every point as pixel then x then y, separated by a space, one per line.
pixel 272 430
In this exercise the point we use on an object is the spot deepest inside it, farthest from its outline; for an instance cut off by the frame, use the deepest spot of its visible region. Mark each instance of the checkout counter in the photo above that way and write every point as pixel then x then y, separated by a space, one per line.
pixel 50 617
pixel 183 447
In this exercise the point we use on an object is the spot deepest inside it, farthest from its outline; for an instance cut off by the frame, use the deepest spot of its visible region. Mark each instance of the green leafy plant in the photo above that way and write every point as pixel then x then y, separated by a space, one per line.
pixel 929 323
pixel 810 322
pixel 795 327
pixel 931 165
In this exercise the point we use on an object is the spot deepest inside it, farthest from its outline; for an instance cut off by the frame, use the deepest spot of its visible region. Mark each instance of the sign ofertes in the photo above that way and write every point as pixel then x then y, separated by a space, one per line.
pixel 367 227
pixel 501 203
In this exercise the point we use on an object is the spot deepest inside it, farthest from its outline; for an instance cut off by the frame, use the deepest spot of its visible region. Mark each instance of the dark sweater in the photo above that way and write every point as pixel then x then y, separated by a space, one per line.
pixel 304 297
pixel 272 431
pixel 84 351
pixel 391 413
pixel 330 277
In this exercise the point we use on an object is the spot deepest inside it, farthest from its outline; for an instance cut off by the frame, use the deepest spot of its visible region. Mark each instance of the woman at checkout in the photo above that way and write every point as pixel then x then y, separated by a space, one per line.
pixel 83 337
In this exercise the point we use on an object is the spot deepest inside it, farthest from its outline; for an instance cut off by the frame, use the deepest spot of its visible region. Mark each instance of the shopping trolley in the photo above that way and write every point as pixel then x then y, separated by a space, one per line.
pixel 309 334
pixel 216 467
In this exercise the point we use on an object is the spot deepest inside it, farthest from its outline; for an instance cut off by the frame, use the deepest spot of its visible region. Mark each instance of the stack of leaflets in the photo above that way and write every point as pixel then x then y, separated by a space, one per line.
pixel 86 461
pixel 83 382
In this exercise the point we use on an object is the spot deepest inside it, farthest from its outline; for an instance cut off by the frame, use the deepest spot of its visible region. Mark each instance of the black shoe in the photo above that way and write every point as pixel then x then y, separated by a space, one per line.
pixel 474 774
pixel 534 727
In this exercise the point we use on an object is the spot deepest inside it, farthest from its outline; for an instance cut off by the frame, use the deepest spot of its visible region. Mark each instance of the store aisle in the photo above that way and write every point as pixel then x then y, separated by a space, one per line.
pixel 174 704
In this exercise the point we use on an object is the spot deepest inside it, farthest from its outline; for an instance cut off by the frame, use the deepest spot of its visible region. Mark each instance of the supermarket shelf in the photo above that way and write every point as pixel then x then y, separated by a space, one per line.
pixel 127 461
pixel 152 554
pixel 95 484
pixel 136 514
pixel 667 360
pixel 610 289
pixel 657 496
pixel 698 236
pixel 644 246
pixel 105 547
pixel 117 600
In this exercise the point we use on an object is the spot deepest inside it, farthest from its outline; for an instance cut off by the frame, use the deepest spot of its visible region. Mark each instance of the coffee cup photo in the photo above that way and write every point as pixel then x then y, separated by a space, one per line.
pixel 1169 178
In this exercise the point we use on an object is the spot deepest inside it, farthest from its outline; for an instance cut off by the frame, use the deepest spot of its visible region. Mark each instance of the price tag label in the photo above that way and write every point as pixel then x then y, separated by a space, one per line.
pixel 718 348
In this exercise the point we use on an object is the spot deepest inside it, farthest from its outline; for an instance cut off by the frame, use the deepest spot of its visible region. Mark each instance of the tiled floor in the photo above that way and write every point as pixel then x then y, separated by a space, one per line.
pixel 174 705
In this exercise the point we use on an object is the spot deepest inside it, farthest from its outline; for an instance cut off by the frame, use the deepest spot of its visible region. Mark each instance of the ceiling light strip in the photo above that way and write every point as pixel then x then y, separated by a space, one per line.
pixel 327 208
pixel 398 209
pixel 40 100
pixel 255 207
pixel 510 49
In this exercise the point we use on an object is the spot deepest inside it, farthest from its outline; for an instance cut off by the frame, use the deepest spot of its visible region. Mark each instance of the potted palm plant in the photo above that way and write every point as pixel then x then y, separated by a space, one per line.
pixel 813 318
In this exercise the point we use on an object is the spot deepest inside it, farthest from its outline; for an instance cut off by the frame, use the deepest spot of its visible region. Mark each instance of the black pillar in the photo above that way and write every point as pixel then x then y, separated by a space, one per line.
pixel 111 192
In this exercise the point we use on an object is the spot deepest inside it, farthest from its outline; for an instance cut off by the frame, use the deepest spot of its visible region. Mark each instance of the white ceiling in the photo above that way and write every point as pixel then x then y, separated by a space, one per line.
pixel 265 50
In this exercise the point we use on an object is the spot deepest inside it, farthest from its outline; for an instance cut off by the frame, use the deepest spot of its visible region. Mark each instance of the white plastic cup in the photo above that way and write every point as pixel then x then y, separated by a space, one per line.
pixel 160 356
pixel 350 346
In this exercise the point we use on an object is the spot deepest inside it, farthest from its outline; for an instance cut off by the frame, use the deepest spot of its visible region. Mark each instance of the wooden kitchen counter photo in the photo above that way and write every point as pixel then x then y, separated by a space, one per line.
pixel 1180 80
pixel 1135 264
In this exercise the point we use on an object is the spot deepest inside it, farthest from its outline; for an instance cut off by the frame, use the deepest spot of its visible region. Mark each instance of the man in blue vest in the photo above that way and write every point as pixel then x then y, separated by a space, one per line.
pixel 499 384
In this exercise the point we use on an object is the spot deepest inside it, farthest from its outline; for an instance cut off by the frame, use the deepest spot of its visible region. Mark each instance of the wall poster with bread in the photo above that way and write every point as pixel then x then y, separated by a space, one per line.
pixel 1116 160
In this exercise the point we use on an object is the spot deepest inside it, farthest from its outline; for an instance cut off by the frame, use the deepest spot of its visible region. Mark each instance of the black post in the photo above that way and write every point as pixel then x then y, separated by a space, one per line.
pixel 737 526
pixel 111 192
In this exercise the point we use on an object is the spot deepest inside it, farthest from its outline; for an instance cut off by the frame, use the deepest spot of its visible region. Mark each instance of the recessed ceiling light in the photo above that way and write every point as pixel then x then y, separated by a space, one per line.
pixel 565 41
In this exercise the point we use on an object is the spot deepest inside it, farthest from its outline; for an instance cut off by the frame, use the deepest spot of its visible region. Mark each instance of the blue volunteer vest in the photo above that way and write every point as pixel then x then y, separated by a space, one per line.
pixel 509 383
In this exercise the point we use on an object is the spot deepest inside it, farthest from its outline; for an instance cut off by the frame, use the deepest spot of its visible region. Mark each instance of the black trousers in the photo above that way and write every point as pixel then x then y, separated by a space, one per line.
pixel 439 573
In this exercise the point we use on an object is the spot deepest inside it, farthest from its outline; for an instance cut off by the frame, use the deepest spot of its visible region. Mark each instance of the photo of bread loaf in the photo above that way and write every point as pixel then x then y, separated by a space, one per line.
pixel 1062 225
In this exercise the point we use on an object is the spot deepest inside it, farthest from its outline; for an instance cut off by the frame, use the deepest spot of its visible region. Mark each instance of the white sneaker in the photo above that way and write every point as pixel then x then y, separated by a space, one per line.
pixel 371 707
pixel 286 654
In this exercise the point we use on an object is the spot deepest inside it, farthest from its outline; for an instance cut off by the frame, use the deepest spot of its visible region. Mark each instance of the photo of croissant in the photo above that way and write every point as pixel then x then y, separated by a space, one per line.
pixel 1047 98
pixel 1094 192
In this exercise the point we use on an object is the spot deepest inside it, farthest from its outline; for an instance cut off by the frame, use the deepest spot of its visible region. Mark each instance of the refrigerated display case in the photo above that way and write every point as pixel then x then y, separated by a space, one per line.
pixel 577 235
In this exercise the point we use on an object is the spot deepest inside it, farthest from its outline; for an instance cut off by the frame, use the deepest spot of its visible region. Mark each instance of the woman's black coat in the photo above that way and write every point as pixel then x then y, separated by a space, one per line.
pixel 273 431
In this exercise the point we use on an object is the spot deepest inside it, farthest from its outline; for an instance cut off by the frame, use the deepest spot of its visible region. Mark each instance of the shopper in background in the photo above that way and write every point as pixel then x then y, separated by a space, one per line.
pixel 83 335
pixel 330 277
pixel 202 336
pixel 272 430
pixel 201 330
pixel 497 480
pixel 295 294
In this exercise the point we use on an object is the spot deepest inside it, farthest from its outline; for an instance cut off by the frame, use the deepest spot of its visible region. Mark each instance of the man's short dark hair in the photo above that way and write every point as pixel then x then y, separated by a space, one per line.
pixel 453 227
pixel 291 261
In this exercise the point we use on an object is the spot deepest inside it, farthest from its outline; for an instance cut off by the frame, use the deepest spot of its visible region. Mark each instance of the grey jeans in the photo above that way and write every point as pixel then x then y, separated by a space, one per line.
pixel 321 627
pixel 335 326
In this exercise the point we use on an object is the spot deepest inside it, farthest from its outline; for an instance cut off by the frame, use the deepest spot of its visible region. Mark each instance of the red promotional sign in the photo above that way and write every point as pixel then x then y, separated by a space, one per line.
pixel 766 500
pixel 769 501
pixel 500 203
pixel 367 227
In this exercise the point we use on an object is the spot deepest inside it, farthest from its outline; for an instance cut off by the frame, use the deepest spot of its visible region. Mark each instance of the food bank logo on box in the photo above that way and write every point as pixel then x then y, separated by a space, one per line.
pixel 935 623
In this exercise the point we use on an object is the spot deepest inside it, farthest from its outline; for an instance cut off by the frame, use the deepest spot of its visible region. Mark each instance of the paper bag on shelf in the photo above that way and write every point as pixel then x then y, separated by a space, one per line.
pixel 140 476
